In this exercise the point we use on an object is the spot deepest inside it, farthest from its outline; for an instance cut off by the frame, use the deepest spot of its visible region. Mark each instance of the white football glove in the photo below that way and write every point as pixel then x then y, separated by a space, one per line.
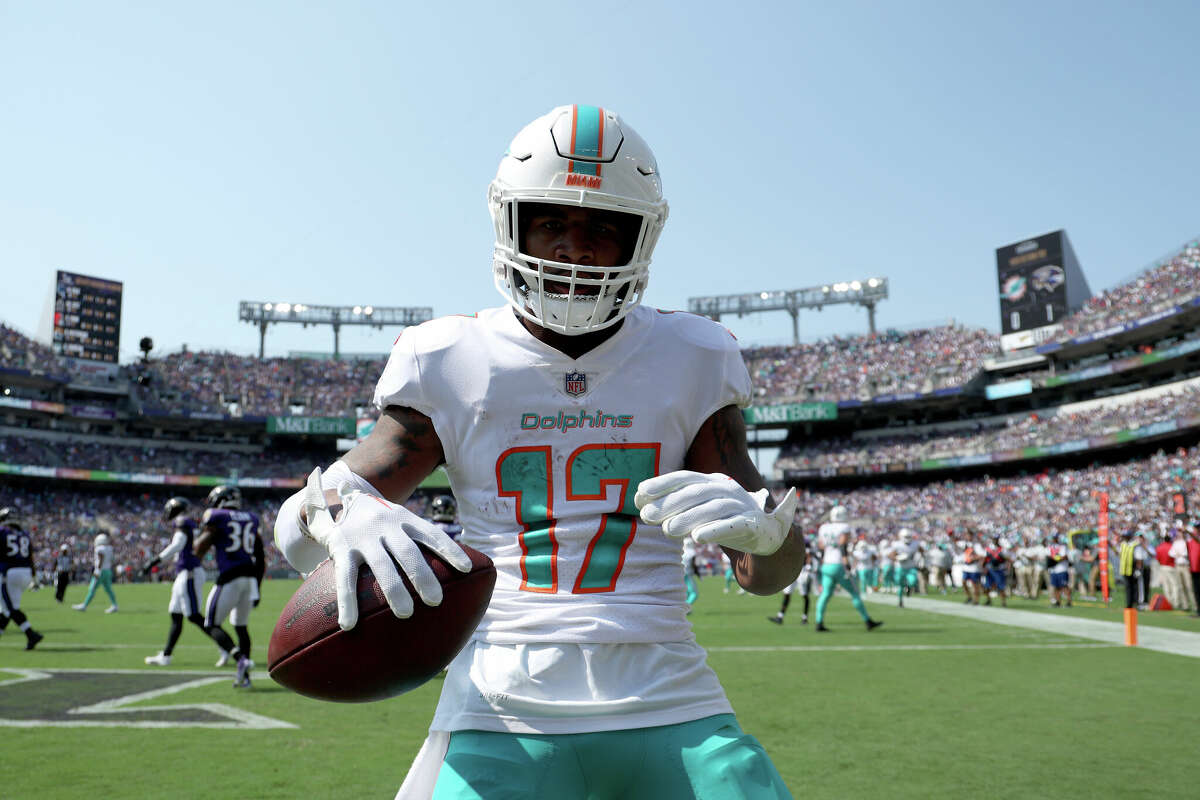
pixel 373 531
pixel 715 508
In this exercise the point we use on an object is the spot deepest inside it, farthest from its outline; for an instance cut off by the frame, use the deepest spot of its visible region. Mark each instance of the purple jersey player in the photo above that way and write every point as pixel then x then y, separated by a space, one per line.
pixel 240 563
pixel 16 573
pixel 189 579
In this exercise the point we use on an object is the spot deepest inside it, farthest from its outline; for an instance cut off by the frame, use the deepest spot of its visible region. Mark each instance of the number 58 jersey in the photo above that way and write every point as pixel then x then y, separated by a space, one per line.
pixel 545 453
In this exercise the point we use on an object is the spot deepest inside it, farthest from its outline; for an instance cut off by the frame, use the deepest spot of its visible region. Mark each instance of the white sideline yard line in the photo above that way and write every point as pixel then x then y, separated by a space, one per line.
pixel 46 644
pixel 869 647
pixel 1164 640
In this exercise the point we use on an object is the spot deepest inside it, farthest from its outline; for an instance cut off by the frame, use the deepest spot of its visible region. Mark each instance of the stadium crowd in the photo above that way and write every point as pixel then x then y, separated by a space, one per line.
pixel 1034 526
pixel 1168 283
pixel 837 368
pixel 212 381
pixel 161 460
pixel 1035 429
pixel 18 351
pixel 850 367
pixel 1048 503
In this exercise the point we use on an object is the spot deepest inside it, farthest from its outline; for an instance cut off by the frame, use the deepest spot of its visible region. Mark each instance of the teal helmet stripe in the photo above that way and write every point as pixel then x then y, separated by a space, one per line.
pixel 587 138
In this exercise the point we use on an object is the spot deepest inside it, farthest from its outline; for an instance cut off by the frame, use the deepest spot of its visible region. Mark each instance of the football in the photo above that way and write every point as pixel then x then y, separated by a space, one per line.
pixel 382 656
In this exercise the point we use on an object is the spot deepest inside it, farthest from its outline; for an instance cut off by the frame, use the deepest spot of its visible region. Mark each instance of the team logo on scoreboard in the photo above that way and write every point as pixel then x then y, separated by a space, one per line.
pixel 575 383
pixel 1013 288
pixel 1048 278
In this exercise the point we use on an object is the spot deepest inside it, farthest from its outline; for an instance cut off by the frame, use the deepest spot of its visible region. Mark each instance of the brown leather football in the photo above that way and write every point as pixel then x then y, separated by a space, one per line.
pixel 382 656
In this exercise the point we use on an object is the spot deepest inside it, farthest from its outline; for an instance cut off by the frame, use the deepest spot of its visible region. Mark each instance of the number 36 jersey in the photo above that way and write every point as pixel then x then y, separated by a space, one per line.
pixel 237 543
pixel 545 453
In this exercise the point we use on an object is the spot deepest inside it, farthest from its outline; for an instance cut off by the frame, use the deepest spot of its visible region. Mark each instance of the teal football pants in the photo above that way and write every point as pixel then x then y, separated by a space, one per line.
pixel 835 575
pixel 103 579
pixel 708 758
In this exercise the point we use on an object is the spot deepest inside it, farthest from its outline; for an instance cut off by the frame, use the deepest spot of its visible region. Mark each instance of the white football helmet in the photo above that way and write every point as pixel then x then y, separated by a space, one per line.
pixel 838 514
pixel 101 539
pixel 906 534
pixel 578 156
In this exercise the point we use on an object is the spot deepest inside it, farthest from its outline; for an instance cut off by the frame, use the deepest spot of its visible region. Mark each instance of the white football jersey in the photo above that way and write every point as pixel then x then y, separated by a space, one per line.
pixel 828 535
pixel 906 553
pixel 865 554
pixel 104 556
pixel 544 454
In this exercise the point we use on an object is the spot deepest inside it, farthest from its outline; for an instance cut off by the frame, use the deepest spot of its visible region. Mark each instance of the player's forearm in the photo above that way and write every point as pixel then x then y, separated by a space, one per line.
pixel 769 574
pixel 174 548
pixel 402 450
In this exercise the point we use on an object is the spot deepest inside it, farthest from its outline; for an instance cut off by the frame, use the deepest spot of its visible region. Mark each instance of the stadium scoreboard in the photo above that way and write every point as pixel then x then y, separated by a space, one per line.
pixel 87 317
pixel 1040 283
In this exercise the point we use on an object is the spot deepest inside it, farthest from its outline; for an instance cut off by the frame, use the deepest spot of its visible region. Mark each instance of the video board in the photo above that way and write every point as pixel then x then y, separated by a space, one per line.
pixel 87 317
pixel 1040 283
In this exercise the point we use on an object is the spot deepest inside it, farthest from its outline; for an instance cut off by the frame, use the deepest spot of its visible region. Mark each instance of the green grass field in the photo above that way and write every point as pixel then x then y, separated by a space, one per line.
pixel 928 706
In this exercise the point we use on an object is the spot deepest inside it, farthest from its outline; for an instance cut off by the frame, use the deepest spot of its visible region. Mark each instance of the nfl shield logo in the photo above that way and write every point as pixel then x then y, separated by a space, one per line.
pixel 575 383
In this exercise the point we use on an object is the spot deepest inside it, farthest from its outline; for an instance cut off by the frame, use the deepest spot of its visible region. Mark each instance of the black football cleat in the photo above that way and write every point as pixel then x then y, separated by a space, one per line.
pixel 821 628
pixel 32 639
pixel 778 620
pixel 873 624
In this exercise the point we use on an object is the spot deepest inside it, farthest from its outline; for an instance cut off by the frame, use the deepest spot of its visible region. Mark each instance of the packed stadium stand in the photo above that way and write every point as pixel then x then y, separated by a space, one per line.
pixel 936 426
pixel 864 367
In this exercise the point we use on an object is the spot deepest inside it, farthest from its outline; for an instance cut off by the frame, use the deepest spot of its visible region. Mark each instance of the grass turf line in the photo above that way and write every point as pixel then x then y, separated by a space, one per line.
pixel 837 723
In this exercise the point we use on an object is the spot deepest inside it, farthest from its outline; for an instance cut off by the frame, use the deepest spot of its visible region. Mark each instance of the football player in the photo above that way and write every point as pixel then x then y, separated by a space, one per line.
pixel 904 555
pixel 833 538
pixel 585 435
pixel 866 560
pixel 690 573
pixel 727 567
pixel 444 513
pixel 102 574
pixel 887 565
pixel 16 573
pixel 189 579
pixel 234 535
pixel 803 584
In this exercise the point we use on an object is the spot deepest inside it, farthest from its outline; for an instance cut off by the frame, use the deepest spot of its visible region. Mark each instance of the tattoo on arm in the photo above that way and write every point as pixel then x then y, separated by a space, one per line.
pixel 730 435
pixel 399 453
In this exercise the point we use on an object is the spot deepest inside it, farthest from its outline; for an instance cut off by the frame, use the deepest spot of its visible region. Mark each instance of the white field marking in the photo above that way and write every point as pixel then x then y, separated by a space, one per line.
pixel 239 718
pixel 890 647
pixel 1164 640
pixel 155 646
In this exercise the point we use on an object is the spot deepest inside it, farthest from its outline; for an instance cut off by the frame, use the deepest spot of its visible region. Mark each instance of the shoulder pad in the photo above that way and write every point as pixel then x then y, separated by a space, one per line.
pixel 698 330
pixel 436 334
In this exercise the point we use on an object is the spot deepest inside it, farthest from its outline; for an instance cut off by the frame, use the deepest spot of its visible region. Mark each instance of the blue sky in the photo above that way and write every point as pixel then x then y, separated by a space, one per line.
pixel 339 152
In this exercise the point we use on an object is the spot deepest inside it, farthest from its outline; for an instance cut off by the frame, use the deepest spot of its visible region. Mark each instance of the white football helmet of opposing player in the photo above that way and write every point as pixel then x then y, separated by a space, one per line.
pixel 906 534
pixel 838 514
pixel 587 157
pixel 101 540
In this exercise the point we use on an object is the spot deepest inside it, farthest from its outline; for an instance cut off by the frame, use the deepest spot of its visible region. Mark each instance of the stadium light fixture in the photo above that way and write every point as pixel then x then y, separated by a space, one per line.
pixel 864 292
pixel 264 314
